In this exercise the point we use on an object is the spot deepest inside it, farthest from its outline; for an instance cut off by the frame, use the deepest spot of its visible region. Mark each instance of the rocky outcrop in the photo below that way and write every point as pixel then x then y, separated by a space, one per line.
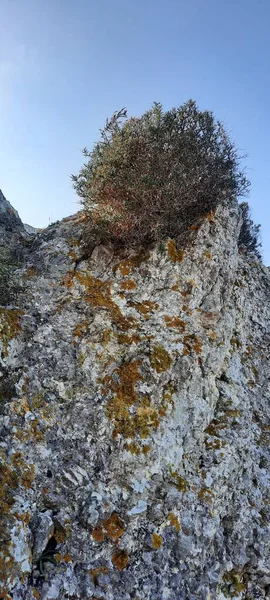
pixel 134 420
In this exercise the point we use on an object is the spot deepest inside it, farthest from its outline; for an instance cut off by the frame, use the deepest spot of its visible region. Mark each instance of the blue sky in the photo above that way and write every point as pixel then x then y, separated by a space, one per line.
pixel 65 65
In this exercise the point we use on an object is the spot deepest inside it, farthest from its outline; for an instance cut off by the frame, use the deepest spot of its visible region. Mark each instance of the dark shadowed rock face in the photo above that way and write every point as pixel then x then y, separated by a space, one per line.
pixel 134 420
pixel 9 217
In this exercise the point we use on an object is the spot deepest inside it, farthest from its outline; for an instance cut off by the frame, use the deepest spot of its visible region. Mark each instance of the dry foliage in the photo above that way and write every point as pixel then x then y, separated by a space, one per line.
pixel 152 177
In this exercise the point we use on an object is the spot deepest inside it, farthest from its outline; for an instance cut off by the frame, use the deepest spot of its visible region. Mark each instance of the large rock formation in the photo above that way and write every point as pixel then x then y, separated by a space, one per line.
pixel 134 420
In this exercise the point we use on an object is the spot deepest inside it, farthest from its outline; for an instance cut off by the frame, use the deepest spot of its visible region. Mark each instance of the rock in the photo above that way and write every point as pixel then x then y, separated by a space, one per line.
pixel 134 418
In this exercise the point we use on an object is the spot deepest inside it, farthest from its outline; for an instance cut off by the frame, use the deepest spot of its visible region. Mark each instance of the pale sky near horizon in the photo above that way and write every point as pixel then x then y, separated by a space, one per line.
pixel 66 65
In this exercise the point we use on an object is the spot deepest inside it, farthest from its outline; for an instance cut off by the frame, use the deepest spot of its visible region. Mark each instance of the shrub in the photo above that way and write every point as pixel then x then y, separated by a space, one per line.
pixel 249 237
pixel 151 177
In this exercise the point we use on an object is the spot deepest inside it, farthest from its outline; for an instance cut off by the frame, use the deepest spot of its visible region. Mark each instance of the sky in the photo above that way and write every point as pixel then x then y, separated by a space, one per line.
pixel 67 65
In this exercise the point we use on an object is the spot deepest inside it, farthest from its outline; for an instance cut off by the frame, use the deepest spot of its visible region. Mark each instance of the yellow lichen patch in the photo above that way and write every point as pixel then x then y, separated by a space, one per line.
pixel 156 541
pixel 14 473
pixel 144 308
pixel 187 310
pixel 133 448
pixel 174 522
pixel 175 322
pixel 68 280
pixel 120 559
pixel 233 412
pixel 167 399
pixel 60 535
pixel 36 594
pixel 179 482
pixel 129 284
pixel 10 326
pixel 137 449
pixel 129 423
pixel 206 495
pixel 174 254
pixel 94 573
pixel 25 517
pixel 146 449
pixel 160 359
pixel 67 558
pixel 208 255
pixel 20 407
pixel 31 271
pixel 211 216
pixel 192 343
pixel 175 287
pixel 212 335
pixel 124 338
pixel 114 527
pixel 98 294
pixel 98 534
pixel 214 444
pixel 80 330
pixel 127 265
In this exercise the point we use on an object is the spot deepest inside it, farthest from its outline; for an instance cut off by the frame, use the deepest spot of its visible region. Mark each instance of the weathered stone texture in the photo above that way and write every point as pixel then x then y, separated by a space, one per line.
pixel 134 427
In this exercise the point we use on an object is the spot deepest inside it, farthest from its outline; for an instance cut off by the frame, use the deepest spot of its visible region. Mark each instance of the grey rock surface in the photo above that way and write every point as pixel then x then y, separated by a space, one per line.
pixel 135 422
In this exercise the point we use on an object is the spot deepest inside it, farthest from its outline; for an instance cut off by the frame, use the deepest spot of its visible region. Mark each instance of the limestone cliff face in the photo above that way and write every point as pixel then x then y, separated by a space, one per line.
pixel 134 421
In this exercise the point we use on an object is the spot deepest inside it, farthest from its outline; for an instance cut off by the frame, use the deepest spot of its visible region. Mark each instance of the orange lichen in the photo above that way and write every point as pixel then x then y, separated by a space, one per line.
pixel 127 265
pixel 129 284
pixel 98 534
pixel 68 280
pixel 133 448
pixel 10 326
pixel 120 559
pixel 144 307
pixel 146 448
pixel 211 216
pixel 206 495
pixel 175 322
pixel 136 449
pixel 160 359
pixel 124 338
pixel 60 535
pixel 114 526
pixel 98 294
pixel 156 541
pixel 14 473
pixel 129 423
pixel 175 287
pixel 36 594
pixel 94 573
pixel 81 328
pixel 167 399
pixel 208 255
pixel 179 482
pixel 192 343
pixel 31 271
pixel 174 522
pixel 174 254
